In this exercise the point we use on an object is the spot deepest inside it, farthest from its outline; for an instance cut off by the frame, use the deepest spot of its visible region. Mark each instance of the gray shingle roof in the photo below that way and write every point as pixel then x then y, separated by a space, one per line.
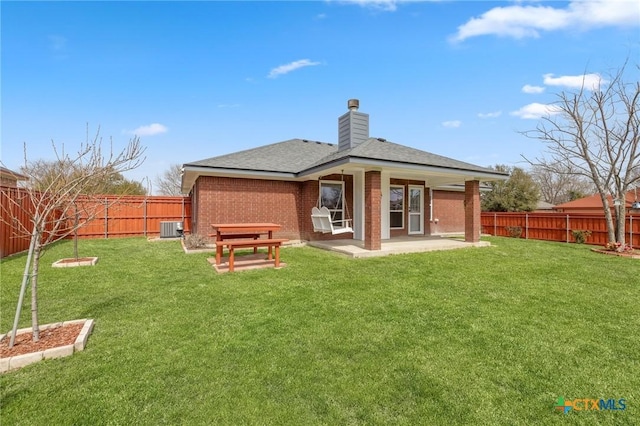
pixel 377 149
pixel 292 156
pixel 297 155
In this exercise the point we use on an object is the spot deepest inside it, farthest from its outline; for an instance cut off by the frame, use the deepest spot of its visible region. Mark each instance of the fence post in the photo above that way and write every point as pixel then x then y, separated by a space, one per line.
pixel 144 214
pixel 567 228
pixel 183 213
pixel 526 226
pixel 106 219
pixel 630 231
pixel 495 225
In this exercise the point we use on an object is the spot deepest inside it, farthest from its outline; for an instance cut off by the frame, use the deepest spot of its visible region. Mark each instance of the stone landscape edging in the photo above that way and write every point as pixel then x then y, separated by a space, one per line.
pixel 70 263
pixel 19 361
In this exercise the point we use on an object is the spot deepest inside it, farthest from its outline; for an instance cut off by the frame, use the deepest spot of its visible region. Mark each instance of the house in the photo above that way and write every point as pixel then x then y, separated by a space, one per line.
pixel 387 189
pixel 10 178
pixel 593 204
pixel 544 207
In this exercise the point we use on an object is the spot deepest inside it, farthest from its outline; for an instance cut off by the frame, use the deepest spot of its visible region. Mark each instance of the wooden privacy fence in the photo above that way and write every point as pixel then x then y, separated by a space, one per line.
pixel 557 226
pixel 115 216
pixel 133 216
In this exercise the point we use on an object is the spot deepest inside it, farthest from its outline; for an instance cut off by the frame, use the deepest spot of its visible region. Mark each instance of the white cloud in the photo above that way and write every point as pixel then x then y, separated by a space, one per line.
pixel 228 105
pixel 536 111
pixel 150 130
pixel 495 114
pixel 527 88
pixel 588 81
pixel 387 5
pixel 528 21
pixel 292 66
pixel 452 124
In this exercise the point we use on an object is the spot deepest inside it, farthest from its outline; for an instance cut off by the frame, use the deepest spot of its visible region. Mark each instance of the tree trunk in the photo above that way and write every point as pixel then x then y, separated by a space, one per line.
pixel 23 286
pixel 620 219
pixel 75 233
pixel 611 230
pixel 34 291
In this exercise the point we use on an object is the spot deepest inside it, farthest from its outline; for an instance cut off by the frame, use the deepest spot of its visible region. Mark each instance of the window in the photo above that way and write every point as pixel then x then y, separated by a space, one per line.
pixel 332 197
pixel 396 207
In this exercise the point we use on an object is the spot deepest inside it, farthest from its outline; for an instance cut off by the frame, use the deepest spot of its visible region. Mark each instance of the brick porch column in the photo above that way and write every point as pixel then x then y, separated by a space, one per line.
pixel 372 195
pixel 472 211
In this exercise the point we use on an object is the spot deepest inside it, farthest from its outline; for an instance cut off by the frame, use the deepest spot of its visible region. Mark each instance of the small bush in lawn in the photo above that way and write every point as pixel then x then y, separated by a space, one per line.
pixel 514 231
pixel 580 236
pixel 195 241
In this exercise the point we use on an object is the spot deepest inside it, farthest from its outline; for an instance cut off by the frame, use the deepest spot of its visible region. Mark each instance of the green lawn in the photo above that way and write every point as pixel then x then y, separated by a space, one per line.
pixel 475 336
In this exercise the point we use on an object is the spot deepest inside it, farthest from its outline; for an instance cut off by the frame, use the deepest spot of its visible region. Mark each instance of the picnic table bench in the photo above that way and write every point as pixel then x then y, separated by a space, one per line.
pixel 233 244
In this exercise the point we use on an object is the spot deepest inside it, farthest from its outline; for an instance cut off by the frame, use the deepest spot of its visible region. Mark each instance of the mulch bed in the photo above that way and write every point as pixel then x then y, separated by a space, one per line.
pixel 50 338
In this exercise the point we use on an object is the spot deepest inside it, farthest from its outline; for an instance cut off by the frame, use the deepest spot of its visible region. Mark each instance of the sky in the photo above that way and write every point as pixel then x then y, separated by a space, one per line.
pixel 195 80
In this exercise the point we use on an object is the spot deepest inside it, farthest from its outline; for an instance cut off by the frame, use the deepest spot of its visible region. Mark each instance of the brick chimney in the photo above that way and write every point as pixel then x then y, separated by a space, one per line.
pixel 353 127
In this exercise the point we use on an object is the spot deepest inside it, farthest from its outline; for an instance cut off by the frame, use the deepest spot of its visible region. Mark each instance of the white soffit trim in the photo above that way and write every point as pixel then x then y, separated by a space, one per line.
pixel 397 167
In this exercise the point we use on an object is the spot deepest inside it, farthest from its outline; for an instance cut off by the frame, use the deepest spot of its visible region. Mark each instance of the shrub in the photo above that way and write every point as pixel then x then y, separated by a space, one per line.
pixel 580 236
pixel 195 241
pixel 514 231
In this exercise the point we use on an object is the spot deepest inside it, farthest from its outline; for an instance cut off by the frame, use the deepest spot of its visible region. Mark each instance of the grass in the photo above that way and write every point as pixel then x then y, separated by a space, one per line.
pixel 475 336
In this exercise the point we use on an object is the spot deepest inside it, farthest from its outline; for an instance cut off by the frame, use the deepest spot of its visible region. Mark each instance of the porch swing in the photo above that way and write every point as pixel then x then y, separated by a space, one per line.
pixel 324 222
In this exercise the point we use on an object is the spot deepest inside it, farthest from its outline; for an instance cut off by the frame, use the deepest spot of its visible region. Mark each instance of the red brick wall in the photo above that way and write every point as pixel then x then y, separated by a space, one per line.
pixel 448 208
pixel 226 200
pixel 372 193
pixel 472 211
pixel 221 199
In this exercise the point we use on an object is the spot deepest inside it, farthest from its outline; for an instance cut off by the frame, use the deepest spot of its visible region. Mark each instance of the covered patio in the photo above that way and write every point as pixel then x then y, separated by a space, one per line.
pixel 396 245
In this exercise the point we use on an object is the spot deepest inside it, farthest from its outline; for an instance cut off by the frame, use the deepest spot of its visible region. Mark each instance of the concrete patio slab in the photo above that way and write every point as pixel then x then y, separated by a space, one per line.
pixel 400 245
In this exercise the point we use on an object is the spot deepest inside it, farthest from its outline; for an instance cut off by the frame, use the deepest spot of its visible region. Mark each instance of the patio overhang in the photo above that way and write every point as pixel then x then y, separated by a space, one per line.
pixel 433 176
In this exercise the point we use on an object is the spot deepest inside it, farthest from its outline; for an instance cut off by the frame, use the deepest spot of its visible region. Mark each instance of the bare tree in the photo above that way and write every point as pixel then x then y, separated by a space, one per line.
pixel 53 209
pixel 562 184
pixel 170 182
pixel 596 132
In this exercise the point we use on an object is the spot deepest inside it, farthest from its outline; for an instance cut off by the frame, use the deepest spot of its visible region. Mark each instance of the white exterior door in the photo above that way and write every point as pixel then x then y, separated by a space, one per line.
pixel 416 210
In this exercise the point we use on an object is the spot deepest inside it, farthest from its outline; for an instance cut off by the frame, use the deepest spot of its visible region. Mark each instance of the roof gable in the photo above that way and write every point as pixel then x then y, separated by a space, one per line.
pixel 292 156
pixel 380 149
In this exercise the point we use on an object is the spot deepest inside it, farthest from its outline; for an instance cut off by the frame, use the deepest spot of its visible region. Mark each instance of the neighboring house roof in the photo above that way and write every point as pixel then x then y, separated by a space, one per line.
pixel 594 202
pixel 543 205
pixel 6 173
pixel 298 158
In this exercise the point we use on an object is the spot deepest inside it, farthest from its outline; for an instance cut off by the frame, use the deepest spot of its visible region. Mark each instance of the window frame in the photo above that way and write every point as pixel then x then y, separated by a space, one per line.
pixel 337 215
pixel 404 197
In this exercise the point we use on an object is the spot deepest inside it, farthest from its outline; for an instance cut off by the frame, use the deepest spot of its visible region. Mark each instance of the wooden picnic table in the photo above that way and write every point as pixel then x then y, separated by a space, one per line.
pixel 225 231
pixel 243 231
